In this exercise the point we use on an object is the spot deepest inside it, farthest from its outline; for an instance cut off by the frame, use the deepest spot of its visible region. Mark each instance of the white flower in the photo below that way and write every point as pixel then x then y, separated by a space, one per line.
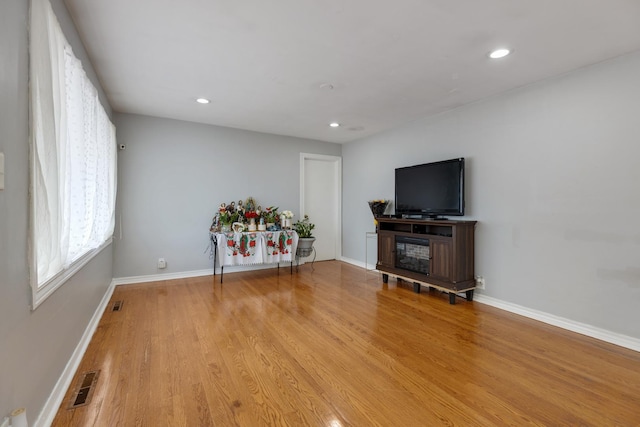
pixel 287 214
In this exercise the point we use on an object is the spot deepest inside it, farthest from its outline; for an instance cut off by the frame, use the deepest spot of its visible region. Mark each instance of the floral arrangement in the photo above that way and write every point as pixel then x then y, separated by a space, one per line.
pixel 245 211
pixel 304 227
pixel 271 214
pixel 251 214
pixel 227 216
pixel 378 206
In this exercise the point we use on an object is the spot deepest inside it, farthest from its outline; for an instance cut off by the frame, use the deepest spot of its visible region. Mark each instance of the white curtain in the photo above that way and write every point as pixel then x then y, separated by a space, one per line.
pixel 90 179
pixel 73 153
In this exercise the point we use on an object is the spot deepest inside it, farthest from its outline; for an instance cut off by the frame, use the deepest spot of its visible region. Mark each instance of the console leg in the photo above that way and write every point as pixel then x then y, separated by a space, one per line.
pixel 416 288
pixel 214 242
pixel 221 273
pixel 452 298
pixel 469 295
pixel 385 278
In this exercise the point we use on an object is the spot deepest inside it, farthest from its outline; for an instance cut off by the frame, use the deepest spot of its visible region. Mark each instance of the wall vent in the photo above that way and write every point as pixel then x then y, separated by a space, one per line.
pixel 84 389
pixel 117 306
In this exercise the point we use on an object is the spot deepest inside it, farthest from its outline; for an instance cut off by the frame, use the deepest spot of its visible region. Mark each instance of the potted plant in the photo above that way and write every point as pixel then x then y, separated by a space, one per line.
pixel 227 216
pixel 304 229
pixel 271 216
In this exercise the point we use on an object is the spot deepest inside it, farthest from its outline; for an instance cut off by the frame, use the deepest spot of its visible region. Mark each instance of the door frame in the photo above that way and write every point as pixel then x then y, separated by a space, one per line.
pixel 337 170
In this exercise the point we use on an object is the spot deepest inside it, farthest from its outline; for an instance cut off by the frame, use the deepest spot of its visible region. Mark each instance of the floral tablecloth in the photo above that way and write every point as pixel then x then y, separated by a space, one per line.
pixel 257 247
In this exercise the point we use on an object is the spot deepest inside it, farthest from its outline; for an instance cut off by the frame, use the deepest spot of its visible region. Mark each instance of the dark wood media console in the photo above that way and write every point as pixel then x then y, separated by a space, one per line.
pixel 433 253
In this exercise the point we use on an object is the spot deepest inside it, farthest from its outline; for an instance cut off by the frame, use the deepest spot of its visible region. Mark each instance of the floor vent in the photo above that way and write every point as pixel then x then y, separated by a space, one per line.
pixel 117 306
pixel 84 390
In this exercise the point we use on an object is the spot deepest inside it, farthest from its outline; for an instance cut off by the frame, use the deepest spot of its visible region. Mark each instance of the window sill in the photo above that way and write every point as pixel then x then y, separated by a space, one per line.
pixel 41 293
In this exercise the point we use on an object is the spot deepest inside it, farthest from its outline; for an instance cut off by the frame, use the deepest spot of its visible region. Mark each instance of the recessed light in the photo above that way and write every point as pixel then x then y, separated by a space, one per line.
pixel 334 124
pixel 499 53
pixel 202 101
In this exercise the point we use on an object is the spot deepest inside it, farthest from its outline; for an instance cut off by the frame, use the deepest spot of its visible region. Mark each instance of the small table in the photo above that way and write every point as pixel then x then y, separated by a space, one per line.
pixel 252 248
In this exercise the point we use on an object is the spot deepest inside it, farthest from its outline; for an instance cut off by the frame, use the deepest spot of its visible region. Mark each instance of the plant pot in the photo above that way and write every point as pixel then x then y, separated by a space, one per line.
pixel 305 246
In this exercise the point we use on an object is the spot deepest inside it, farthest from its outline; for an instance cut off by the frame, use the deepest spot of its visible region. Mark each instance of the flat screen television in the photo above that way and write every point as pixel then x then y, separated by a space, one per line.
pixel 431 190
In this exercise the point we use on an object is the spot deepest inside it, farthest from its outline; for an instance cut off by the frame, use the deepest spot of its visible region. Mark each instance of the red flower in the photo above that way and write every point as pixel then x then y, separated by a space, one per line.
pixel 235 253
pixel 289 241
pixel 229 242
pixel 252 243
pixel 270 243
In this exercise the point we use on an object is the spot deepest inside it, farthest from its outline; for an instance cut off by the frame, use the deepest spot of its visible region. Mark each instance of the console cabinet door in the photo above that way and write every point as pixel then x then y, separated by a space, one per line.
pixel 441 259
pixel 386 249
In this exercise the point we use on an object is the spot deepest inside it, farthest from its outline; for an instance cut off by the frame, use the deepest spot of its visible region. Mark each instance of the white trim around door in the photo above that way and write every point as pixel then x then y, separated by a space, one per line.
pixel 337 193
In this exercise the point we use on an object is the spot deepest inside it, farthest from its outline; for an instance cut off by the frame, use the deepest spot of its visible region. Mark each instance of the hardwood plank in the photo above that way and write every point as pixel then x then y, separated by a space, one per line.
pixel 334 346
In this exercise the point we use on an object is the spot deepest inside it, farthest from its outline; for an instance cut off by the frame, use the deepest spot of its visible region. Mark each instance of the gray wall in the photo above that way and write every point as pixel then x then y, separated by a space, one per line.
pixel 553 181
pixel 173 175
pixel 34 346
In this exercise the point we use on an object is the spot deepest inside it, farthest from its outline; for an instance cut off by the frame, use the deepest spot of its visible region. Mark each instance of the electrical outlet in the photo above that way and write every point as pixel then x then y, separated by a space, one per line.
pixel 162 263
pixel 480 282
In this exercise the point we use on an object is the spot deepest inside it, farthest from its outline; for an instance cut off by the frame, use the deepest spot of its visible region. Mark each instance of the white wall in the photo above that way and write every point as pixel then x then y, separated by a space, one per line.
pixel 34 346
pixel 173 175
pixel 552 178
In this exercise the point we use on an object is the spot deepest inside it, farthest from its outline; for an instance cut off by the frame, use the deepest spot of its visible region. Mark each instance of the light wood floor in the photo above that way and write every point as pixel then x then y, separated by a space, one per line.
pixel 335 347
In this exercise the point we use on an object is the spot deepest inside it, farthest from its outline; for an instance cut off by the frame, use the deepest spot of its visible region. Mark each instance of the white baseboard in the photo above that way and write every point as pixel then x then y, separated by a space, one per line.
pixel 353 262
pixel 197 273
pixel 570 325
pixel 369 267
pixel 159 277
pixel 50 409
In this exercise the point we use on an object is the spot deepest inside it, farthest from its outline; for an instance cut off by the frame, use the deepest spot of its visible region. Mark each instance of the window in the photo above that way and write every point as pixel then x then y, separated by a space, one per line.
pixel 73 160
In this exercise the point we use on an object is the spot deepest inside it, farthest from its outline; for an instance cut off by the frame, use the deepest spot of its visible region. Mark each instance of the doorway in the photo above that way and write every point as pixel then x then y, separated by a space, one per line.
pixel 321 199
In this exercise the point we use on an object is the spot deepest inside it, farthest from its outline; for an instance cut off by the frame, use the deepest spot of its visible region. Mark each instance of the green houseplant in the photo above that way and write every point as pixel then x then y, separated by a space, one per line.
pixel 227 217
pixel 271 216
pixel 304 229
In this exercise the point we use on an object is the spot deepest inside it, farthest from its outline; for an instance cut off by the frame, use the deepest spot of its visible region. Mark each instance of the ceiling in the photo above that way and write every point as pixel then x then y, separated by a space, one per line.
pixel 290 67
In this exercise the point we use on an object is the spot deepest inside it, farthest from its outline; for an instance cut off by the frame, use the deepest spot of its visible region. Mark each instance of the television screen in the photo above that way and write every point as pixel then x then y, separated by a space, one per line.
pixel 431 189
